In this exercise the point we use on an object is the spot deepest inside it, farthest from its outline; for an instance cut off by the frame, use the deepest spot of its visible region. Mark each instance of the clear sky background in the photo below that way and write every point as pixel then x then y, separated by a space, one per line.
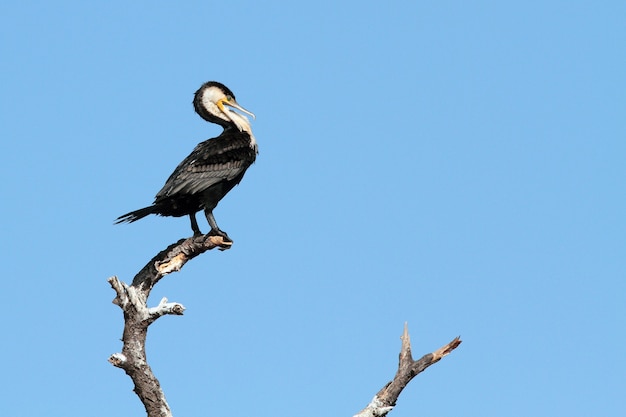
pixel 456 165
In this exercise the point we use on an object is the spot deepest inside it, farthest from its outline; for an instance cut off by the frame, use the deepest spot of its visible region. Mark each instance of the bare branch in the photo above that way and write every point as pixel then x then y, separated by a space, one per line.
pixel 174 257
pixel 165 308
pixel 386 398
pixel 118 359
pixel 132 299
pixel 120 288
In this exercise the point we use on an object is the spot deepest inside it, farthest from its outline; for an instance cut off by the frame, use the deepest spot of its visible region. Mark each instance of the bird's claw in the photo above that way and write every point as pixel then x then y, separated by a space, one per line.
pixel 223 235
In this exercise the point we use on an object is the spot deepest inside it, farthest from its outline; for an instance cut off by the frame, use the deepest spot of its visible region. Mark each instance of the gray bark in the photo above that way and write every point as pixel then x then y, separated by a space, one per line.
pixel 132 299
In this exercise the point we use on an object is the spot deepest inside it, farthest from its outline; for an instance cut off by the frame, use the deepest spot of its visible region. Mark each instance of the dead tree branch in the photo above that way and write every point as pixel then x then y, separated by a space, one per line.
pixel 386 398
pixel 132 299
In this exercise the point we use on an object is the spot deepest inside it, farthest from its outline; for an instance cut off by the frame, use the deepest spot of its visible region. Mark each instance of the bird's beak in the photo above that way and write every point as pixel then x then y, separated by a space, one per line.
pixel 232 103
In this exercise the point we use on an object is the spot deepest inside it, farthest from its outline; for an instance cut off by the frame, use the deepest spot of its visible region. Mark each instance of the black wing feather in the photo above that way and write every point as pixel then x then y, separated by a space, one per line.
pixel 215 160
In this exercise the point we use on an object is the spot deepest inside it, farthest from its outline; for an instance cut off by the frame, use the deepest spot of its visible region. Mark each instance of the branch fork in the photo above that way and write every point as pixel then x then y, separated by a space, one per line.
pixel 386 398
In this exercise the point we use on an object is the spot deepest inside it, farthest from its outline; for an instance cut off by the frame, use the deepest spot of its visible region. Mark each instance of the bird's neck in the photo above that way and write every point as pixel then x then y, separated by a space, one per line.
pixel 242 124
pixel 247 129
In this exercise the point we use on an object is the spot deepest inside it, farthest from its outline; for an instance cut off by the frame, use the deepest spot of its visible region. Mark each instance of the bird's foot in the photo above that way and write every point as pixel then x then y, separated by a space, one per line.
pixel 218 232
pixel 227 242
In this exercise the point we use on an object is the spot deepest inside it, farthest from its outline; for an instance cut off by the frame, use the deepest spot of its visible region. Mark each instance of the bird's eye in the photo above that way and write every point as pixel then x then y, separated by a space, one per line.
pixel 229 98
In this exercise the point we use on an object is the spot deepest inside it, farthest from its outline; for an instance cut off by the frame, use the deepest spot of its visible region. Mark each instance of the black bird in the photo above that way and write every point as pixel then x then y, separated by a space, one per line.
pixel 214 167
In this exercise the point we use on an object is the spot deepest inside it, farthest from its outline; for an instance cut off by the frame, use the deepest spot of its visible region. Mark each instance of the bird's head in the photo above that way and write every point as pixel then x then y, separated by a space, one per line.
pixel 214 102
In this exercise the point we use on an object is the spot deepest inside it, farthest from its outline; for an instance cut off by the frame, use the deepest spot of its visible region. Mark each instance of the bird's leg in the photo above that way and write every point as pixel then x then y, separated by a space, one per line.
pixel 215 231
pixel 194 225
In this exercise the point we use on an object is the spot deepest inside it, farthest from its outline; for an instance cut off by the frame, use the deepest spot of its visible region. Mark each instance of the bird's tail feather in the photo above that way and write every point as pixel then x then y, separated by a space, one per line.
pixel 133 216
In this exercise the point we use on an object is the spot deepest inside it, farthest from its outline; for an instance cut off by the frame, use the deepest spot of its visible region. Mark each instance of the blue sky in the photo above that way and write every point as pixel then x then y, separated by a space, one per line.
pixel 455 165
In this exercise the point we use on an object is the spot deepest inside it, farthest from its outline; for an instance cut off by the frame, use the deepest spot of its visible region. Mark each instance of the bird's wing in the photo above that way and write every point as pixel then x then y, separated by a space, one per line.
pixel 212 161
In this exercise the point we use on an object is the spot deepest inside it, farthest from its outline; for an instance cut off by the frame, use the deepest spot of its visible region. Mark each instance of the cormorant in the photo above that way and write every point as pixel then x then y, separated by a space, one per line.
pixel 213 168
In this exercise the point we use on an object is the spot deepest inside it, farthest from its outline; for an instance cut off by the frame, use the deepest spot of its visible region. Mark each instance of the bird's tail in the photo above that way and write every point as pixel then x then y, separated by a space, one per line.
pixel 133 216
